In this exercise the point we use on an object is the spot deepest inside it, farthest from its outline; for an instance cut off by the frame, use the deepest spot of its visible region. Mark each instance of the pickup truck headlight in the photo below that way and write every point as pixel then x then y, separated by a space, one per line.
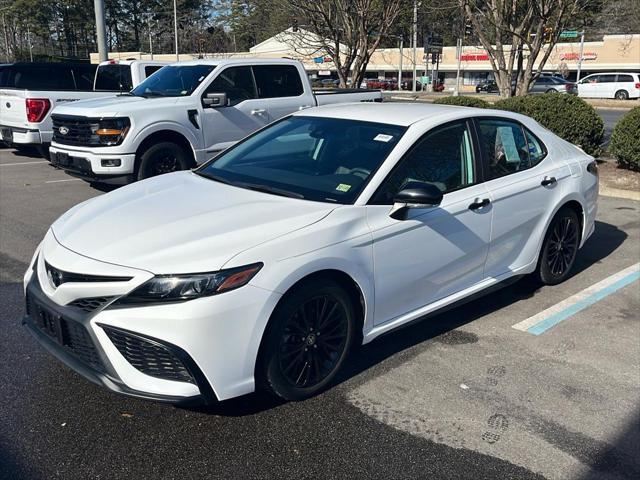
pixel 110 131
pixel 178 288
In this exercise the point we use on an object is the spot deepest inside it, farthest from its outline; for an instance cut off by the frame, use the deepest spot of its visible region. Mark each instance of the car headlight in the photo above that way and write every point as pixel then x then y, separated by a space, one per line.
pixel 110 131
pixel 179 288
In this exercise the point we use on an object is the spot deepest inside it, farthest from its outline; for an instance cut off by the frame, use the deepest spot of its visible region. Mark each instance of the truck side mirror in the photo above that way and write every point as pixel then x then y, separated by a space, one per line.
pixel 215 100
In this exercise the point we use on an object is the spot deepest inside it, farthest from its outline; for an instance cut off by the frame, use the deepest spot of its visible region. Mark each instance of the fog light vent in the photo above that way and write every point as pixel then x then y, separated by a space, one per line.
pixel 111 162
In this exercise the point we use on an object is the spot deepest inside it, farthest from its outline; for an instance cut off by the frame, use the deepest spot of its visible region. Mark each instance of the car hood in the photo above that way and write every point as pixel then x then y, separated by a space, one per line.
pixel 112 106
pixel 180 223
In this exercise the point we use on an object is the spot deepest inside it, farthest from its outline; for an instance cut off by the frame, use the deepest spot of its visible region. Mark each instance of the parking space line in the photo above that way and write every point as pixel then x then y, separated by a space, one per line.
pixel 65 180
pixel 22 163
pixel 543 321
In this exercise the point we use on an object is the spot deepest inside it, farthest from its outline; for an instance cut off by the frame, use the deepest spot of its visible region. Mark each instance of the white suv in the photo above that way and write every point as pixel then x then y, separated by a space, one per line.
pixel 620 85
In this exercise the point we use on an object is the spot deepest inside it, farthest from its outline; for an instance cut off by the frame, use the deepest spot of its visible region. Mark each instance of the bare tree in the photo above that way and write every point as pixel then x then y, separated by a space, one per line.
pixel 517 34
pixel 348 31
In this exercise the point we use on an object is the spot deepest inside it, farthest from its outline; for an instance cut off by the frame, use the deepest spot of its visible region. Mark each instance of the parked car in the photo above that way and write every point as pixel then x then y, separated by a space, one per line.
pixel 408 85
pixel 182 116
pixel 620 85
pixel 489 86
pixel 550 84
pixel 439 87
pixel 266 266
pixel 30 91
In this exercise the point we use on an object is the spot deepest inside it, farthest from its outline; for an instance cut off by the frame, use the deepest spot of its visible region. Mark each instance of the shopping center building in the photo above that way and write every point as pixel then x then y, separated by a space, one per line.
pixel 612 54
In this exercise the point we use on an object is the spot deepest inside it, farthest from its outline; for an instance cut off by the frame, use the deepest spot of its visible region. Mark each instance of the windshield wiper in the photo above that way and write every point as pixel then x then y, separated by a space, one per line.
pixel 153 93
pixel 211 176
pixel 268 189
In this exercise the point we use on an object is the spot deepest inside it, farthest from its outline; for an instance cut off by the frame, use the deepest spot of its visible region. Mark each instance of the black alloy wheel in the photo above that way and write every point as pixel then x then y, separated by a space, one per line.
pixel 560 247
pixel 309 339
pixel 161 158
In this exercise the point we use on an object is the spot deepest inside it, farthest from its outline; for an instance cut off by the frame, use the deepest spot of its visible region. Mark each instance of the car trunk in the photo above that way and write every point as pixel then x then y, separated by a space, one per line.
pixel 13 111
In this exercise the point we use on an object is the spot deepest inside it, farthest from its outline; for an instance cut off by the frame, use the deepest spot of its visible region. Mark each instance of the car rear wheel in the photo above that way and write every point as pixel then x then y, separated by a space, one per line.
pixel 163 157
pixel 551 90
pixel 309 337
pixel 622 95
pixel 560 247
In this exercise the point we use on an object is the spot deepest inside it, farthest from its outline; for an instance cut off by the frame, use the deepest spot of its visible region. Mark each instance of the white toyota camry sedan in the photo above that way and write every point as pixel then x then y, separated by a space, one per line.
pixel 266 266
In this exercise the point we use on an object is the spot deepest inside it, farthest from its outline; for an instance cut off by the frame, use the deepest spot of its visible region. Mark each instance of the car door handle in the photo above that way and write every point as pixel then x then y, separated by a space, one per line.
pixel 258 111
pixel 548 181
pixel 479 204
pixel 302 107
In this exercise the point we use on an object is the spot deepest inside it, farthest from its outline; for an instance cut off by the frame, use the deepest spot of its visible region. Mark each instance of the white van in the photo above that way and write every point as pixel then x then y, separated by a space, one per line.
pixel 618 85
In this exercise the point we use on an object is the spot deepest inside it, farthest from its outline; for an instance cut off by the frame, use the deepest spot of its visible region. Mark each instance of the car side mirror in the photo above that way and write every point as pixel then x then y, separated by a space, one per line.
pixel 415 195
pixel 215 100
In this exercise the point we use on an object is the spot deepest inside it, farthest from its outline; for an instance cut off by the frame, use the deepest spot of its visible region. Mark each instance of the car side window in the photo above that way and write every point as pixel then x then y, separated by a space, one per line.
pixel 504 146
pixel 443 157
pixel 151 69
pixel 236 82
pixel 278 81
pixel 537 151
pixel 607 78
pixel 625 78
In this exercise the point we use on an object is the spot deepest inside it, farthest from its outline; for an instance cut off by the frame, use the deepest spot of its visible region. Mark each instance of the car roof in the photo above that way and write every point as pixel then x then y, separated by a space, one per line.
pixel 399 113
pixel 235 61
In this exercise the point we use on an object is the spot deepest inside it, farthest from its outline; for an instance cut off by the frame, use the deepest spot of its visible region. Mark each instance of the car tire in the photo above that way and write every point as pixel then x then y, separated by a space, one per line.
pixel 560 247
pixel 621 95
pixel 551 90
pixel 162 157
pixel 309 336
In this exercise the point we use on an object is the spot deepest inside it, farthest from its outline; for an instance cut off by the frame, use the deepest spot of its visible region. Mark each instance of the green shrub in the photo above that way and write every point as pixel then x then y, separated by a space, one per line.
pixel 625 140
pixel 463 101
pixel 567 116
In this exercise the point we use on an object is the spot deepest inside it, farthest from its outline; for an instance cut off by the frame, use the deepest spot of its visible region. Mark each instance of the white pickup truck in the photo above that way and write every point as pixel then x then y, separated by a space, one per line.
pixel 30 91
pixel 182 116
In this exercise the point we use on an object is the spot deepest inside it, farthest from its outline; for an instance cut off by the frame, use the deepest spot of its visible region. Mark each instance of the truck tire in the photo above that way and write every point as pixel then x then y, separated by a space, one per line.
pixel 163 157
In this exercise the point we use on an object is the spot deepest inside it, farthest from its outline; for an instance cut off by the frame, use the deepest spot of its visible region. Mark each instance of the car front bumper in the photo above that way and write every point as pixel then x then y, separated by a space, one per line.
pixel 91 166
pixel 207 348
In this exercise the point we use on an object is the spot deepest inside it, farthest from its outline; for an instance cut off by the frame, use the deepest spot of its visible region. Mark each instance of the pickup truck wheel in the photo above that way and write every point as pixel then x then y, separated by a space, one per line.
pixel 163 157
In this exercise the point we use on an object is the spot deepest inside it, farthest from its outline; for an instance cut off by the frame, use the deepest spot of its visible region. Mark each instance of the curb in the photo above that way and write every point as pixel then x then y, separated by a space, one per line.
pixel 619 193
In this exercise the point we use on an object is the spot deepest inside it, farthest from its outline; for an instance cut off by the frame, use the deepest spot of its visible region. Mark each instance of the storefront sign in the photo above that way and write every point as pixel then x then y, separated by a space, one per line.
pixel 474 57
pixel 576 56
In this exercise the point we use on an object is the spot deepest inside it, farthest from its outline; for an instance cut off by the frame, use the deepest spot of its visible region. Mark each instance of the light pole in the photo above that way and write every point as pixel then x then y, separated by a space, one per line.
pixel 175 27
pixel 580 58
pixel 415 42
pixel 101 30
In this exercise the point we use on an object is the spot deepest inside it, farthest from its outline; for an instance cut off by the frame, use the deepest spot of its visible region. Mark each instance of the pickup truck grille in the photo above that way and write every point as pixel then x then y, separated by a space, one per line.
pixel 72 130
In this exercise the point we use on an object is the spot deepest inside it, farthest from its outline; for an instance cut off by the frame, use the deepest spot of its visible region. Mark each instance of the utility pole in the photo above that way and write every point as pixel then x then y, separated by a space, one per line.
pixel 580 57
pixel 459 55
pixel 30 46
pixel 400 65
pixel 175 27
pixel 101 30
pixel 150 39
pixel 6 39
pixel 415 42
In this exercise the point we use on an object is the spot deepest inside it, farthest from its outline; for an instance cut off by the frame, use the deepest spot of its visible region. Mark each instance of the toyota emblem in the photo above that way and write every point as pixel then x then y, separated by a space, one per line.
pixel 63 130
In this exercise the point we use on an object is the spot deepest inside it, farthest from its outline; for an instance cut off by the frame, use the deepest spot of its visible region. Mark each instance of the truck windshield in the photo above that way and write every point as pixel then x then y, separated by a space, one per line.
pixel 114 78
pixel 320 159
pixel 173 81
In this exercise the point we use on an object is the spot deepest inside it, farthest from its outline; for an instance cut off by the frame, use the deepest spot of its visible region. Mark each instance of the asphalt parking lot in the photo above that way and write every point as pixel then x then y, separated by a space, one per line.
pixel 460 395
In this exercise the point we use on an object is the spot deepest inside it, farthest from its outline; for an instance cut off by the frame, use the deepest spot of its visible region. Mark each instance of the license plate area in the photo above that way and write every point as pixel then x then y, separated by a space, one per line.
pixel 62 159
pixel 49 322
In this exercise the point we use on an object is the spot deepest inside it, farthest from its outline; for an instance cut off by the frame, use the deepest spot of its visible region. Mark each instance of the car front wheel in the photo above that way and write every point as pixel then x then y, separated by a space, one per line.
pixel 160 158
pixel 560 247
pixel 310 335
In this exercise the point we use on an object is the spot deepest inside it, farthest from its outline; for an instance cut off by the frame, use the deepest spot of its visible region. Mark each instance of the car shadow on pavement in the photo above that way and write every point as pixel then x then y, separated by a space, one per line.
pixel 27 152
pixel 398 343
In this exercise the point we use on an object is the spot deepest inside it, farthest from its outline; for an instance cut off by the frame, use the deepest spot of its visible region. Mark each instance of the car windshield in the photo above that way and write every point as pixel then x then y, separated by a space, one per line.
pixel 173 81
pixel 320 159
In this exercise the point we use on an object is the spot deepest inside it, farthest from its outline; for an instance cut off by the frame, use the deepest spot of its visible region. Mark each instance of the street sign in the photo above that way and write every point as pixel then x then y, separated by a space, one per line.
pixel 433 44
pixel 569 34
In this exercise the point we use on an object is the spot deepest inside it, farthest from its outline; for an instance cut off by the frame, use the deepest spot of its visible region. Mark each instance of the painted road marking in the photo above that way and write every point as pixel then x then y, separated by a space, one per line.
pixel 21 163
pixel 550 317
pixel 66 180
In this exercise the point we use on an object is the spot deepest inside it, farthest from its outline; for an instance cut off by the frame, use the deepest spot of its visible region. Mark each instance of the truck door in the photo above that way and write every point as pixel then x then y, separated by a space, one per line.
pixel 281 88
pixel 244 114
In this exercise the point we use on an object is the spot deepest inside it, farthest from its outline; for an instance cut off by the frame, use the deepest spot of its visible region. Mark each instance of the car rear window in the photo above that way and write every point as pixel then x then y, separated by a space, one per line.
pixel 38 77
pixel 114 78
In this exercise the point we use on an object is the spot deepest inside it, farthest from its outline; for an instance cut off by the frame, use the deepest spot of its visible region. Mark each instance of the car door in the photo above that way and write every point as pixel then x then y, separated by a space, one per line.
pixel 280 86
pixel 606 86
pixel 588 86
pixel 435 251
pixel 244 114
pixel 523 180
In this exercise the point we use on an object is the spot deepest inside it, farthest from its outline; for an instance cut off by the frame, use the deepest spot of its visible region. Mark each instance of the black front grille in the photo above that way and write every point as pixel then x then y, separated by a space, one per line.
pixel 148 356
pixel 66 332
pixel 90 305
pixel 72 130
pixel 58 277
